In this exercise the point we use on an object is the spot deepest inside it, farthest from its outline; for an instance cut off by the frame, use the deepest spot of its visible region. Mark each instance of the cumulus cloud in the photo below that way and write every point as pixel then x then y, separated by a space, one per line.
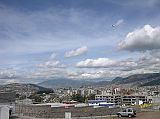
pixel 97 74
pixel 143 39
pixel 146 62
pixel 51 62
pixel 100 62
pixel 7 73
pixel 76 52
pixel 48 73
pixel 51 68
pixel 122 65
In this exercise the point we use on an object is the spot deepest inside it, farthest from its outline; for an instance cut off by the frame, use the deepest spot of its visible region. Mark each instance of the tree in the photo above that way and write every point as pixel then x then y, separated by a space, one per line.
pixel 78 98
pixel 91 97
pixel 36 97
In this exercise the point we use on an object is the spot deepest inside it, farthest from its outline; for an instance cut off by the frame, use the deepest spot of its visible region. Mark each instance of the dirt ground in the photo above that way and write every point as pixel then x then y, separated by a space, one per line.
pixel 148 115
pixel 144 115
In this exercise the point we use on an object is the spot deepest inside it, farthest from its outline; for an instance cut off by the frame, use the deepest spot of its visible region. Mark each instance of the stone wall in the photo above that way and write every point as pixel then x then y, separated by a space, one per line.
pixel 45 111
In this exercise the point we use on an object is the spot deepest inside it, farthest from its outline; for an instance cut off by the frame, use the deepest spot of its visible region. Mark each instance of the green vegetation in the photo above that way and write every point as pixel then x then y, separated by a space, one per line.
pixel 78 98
pixel 36 97
pixel 91 97
pixel 45 91
pixel 82 99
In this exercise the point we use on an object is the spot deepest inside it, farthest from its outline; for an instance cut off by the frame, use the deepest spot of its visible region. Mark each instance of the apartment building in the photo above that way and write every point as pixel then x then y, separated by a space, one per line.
pixel 125 99
pixel 110 98
pixel 134 99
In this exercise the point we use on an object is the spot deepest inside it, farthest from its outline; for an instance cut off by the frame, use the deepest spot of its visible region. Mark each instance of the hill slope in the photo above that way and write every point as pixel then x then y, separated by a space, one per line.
pixel 135 80
pixel 139 79
pixel 56 83
pixel 18 87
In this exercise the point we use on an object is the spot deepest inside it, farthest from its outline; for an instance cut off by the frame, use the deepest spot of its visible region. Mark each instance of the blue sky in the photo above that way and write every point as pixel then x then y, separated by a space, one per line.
pixel 82 39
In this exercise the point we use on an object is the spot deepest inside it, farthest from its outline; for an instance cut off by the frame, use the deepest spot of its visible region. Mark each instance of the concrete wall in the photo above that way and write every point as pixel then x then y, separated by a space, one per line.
pixel 41 111
pixel 84 111
pixel 44 111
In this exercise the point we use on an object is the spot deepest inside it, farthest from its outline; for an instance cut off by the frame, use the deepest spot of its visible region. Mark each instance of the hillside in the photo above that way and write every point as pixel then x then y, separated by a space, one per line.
pixel 57 83
pixel 134 80
pixel 18 87
pixel 62 82
pixel 152 83
pixel 139 79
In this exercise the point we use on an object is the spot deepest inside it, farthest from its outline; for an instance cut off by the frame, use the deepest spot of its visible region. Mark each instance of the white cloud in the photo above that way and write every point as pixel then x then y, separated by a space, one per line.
pixel 76 52
pixel 51 68
pixel 53 56
pixel 7 73
pixel 98 74
pixel 48 73
pixel 100 62
pixel 52 62
pixel 146 38
pixel 12 81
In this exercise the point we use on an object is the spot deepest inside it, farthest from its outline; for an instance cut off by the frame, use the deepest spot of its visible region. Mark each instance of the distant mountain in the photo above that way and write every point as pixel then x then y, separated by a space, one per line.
pixel 62 82
pixel 134 80
pixel 56 83
pixel 117 80
pixel 139 79
pixel 100 83
pixel 18 87
pixel 152 83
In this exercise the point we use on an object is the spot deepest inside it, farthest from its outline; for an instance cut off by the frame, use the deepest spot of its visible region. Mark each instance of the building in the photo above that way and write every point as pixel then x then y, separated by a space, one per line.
pixel 4 112
pixel 8 99
pixel 110 98
pixel 123 100
pixel 100 103
pixel 134 99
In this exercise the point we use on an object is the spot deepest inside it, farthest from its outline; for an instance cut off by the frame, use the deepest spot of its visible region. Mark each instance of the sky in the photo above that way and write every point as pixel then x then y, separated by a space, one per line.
pixel 78 39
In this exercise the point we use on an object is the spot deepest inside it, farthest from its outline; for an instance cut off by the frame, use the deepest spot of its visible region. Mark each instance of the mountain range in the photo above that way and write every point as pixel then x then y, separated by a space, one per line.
pixel 148 79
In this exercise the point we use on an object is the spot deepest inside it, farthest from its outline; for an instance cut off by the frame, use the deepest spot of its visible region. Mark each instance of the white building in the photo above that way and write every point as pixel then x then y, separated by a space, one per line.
pixel 4 112
pixel 8 99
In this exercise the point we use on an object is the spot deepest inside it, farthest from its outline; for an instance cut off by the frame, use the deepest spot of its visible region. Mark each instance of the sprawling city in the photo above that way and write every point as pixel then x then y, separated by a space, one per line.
pixel 79 59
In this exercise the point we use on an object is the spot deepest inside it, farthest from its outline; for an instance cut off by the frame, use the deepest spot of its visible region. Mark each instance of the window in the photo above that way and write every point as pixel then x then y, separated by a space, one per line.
pixel 124 110
pixel 129 110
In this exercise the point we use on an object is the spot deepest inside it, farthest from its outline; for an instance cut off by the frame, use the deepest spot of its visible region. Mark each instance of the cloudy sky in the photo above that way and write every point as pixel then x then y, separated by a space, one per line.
pixel 78 39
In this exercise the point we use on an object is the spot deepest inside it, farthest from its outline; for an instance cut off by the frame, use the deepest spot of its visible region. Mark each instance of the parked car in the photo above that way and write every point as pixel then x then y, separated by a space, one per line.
pixel 128 112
